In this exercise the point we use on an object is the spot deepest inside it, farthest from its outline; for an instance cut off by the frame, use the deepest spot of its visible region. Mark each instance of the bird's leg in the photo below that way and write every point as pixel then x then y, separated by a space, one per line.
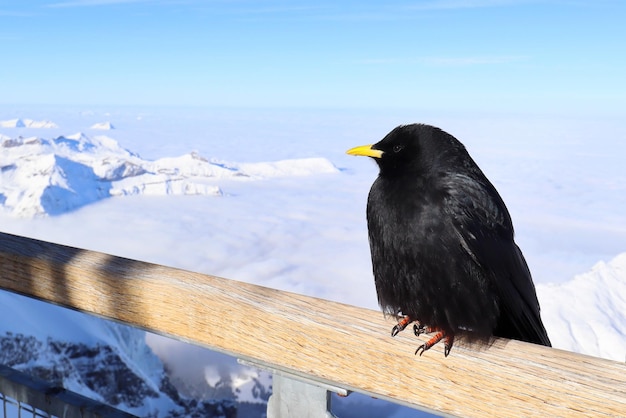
pixel 419 329
pixel 401 325
pixel 447 338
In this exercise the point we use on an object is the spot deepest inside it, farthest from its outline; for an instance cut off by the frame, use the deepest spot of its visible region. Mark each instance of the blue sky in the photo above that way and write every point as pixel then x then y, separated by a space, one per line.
pixel 491 55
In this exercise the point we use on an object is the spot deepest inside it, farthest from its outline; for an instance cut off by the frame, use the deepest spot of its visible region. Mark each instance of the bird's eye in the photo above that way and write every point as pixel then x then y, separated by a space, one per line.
pixel 398 148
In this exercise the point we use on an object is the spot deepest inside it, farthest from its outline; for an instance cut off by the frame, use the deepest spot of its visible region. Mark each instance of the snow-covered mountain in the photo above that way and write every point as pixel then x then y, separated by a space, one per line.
pixel 112 363
pixel 102 373
pixel 41 176
pixel 27 123
pixel 593 321
pixel 103 126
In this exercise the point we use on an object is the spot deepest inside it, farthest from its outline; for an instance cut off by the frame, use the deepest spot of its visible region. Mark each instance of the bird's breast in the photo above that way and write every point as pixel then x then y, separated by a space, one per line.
pixel 417 259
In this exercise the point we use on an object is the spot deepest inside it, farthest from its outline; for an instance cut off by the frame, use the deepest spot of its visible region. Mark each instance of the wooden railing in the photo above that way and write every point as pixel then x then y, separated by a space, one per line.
pixel 313 339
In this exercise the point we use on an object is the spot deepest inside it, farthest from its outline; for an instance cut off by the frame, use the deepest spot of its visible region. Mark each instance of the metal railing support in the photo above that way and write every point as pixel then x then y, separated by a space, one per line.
pixel 295 398
pixel 297 395
pixel 52 399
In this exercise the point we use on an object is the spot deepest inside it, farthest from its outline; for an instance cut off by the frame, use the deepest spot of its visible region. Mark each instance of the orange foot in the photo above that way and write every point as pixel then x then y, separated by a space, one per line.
pixel 419 329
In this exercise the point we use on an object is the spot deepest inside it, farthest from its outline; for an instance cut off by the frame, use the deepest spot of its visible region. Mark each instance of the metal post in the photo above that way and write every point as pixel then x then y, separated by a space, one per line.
pixel 295 398
pixel 295 395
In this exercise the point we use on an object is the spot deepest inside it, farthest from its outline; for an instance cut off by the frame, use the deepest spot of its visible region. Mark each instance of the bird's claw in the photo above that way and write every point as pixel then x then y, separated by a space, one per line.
pixel 419 329
pixel 395 330
pixel 448 343
pixel 421 349
pixel 448 339
pixel 424 347
pixel 401 325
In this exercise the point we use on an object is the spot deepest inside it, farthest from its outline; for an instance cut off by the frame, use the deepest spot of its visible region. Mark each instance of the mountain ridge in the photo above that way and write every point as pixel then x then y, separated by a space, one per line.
pixel 48 177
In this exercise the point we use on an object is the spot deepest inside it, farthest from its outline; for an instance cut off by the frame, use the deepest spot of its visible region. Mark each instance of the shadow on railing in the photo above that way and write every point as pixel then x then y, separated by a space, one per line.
pixel 313 343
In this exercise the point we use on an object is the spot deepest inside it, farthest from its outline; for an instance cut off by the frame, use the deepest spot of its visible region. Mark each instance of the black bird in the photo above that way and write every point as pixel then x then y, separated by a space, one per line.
pixel 442 246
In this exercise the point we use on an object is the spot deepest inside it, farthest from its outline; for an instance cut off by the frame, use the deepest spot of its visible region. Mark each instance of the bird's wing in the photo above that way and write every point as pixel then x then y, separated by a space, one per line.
pixel 485 231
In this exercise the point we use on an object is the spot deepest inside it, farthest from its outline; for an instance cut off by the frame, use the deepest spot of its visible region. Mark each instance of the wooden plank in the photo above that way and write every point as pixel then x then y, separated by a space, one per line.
pixel 331 342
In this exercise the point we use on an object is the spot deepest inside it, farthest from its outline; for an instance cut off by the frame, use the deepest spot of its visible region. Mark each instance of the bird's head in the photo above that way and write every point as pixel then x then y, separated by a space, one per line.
pixel 407 149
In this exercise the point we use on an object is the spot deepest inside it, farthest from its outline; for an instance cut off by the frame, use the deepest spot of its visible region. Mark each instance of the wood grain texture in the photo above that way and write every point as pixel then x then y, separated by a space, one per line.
pixel 330 342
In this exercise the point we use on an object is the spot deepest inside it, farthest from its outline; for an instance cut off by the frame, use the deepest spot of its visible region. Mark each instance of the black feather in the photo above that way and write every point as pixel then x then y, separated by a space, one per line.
pixel 441 241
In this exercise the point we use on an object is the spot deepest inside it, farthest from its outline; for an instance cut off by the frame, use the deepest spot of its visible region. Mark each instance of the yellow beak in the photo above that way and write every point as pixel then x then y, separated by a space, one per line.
pixel 365 150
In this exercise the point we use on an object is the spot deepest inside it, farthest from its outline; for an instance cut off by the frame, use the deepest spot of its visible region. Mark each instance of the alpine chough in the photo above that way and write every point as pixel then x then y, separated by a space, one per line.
pixel 442 247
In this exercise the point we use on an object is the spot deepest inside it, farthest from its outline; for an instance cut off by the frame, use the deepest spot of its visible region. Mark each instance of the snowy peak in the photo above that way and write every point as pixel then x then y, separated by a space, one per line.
pixel 104 126
pixel 41 176
pixel 57 184
pixel 593 321
pixel 27 123
pixel 80 143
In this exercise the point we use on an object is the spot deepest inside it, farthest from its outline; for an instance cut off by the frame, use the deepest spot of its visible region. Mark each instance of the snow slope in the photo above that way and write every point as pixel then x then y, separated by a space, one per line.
pixel 587 314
